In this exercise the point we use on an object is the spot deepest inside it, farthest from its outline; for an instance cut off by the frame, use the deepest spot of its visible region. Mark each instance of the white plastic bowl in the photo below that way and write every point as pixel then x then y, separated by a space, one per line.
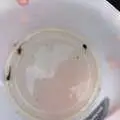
pixel 96 22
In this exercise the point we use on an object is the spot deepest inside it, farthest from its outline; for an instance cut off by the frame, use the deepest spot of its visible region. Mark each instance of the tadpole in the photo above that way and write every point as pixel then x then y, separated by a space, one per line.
pixel 85 46
pixel 9 74
pixel 19 50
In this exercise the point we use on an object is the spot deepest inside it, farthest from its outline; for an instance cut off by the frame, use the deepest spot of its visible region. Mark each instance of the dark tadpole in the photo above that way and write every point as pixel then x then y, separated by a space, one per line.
pixel 85 46
pixel 8 77
pixel 19 50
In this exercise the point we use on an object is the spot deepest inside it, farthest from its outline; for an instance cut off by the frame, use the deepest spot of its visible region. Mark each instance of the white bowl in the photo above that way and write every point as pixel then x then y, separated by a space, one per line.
pixel 96 21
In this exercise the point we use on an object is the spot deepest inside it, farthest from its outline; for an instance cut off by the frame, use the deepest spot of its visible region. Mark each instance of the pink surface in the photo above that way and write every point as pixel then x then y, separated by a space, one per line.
pixel 115 116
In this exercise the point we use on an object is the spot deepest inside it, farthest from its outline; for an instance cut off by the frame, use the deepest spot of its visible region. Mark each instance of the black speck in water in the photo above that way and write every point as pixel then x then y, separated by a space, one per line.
pixel 85 46
pixel 19 50
pixel 9 74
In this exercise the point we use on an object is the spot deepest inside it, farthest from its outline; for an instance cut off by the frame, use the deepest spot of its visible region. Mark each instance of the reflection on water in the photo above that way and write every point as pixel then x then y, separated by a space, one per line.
pixel 23 2
pixel 64 89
